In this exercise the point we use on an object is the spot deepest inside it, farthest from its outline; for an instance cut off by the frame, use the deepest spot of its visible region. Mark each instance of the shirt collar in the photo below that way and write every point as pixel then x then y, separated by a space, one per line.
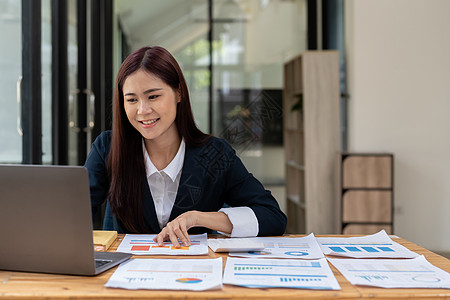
pixel 172 169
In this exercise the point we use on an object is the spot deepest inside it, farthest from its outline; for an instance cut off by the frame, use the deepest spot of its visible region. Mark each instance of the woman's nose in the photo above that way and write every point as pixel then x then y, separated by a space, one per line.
pixel 144 107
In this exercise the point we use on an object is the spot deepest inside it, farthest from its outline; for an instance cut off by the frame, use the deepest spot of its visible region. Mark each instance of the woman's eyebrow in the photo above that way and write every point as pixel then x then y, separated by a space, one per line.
pixel 146 92
pixel 152 90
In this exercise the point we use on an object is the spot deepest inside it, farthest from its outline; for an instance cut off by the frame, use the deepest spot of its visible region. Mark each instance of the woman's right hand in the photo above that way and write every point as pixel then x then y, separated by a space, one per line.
pixel 176 230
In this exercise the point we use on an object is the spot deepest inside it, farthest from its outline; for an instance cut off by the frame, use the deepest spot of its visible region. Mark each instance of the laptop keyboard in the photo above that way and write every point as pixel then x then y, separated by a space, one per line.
pixel 101 262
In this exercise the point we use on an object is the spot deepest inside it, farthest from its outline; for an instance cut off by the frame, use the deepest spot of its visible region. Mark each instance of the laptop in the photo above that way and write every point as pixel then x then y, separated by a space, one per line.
pixel 45 217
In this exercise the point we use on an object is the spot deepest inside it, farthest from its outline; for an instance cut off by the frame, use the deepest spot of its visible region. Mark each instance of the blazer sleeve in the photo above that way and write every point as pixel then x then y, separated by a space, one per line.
pixel 96 166
pixel 243 189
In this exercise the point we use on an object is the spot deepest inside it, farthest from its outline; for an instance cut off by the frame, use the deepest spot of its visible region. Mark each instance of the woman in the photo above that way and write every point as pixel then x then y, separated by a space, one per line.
pixel 160 173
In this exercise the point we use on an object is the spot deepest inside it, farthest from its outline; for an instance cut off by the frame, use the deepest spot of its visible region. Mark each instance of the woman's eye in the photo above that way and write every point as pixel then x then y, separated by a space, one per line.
pixel 131 100
pixel 152 97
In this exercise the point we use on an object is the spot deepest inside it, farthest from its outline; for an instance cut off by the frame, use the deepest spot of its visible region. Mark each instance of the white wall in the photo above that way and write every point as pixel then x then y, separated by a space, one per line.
pixel 398 68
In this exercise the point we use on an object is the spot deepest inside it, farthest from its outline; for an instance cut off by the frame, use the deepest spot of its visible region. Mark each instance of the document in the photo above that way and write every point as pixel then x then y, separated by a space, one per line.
pixel 378 245
pixel 281 247
pixel 168 274
pixel 393 273
pixel 285 273
pixel 143 244
pixel 234 245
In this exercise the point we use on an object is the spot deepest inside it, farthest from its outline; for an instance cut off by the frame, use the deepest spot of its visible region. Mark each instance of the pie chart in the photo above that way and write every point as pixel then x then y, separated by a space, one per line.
pixel 296 253
pixel 189 280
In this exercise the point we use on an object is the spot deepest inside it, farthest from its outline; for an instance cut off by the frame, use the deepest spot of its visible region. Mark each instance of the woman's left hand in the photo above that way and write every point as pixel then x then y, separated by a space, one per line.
pixel 176 230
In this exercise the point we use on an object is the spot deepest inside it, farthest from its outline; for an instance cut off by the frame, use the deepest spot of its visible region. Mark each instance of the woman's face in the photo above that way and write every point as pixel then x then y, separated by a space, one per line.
pixel 150 105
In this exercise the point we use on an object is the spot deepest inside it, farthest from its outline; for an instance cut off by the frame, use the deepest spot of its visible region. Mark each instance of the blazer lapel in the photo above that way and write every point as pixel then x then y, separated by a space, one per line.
pixel 190 188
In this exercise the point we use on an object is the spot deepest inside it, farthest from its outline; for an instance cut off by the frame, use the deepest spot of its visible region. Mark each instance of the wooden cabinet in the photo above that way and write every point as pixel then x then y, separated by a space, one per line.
pixel 311 139
pixel 367 195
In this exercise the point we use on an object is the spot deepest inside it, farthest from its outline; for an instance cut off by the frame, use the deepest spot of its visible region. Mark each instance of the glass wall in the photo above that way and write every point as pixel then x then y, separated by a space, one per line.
pixel 251 40
pixel 46 65
pixel 181 27
pixel 254 39
pixel 72 48
pixel 11 132
pixel 10 78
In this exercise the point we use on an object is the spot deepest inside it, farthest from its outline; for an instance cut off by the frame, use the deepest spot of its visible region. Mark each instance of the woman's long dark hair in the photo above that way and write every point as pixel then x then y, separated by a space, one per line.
pixel 125 161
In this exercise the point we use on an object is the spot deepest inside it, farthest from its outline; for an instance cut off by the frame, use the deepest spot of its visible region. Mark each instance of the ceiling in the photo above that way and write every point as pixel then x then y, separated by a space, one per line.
pixel 172 23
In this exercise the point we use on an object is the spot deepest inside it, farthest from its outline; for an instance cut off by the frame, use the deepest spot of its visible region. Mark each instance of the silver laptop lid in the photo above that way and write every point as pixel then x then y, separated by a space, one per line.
pixel 45 216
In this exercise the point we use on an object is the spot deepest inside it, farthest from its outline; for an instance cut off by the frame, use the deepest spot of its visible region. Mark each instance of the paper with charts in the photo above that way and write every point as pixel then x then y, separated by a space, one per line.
pixel 378 245
pixel 392 273
pixel 279 247
pixel 168 274
pixel 285 273
pixel 143 244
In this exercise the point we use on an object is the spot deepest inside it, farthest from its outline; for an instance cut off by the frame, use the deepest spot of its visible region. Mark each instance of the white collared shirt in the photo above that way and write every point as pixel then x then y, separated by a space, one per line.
pixel 164 186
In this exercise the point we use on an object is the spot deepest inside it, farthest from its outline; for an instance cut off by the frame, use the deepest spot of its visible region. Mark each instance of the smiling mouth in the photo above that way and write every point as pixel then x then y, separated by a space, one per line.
pixel 149 122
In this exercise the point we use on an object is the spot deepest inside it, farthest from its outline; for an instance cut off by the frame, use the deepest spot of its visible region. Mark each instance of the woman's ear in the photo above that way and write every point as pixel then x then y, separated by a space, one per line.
pixel 178 95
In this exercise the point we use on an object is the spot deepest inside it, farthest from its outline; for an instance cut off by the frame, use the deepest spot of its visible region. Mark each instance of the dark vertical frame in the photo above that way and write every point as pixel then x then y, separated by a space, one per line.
pixel 81 80
pixel 31 82
pixel 210 66
pixel 392 194
pixel 102 61
pixel 312 24
pixel 101 50
pixel 334 39
pixel 60 143
pixel 108 63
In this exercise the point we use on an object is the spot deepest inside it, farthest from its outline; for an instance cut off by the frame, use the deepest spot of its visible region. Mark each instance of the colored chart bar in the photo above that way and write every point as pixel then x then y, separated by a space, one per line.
pixel 353 249
pixel 252 268
pixel 386 249
pixel 140 248
pixel 337 249
pixel 370 249
pixel 290 279
pixel 180 248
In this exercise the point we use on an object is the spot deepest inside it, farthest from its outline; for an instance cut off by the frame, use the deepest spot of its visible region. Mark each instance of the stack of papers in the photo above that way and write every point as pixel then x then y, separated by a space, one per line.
pixel 288 263
pixel 143 244
pixel 235 245
pixel 378 245
pixel 279 247
pixel 168 274
pixel 393 273
pixel 287 273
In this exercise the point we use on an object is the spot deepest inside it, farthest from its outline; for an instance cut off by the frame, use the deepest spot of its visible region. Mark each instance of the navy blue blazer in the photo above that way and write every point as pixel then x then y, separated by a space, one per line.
pixel 212 175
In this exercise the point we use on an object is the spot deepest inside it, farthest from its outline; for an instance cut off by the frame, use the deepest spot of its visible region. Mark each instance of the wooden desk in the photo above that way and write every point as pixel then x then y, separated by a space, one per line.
pixel 22 285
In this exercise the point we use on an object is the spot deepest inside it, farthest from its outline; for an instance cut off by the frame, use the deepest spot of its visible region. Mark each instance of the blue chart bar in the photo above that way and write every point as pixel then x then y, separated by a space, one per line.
pixel 386 249
pixel 370 249
pixel 353 249
pixel 337 249
pixel 315 264
pixel 143 241
pixel 289 279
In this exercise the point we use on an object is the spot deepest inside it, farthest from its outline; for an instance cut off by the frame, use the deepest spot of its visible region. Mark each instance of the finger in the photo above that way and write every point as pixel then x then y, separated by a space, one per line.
pixel 159 239
pixel 185 234
pixel 182 234
pixel 188 240
pixel 174 239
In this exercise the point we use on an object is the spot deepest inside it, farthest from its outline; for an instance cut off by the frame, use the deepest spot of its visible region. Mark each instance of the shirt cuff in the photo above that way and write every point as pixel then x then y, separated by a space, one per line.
pixel 244 221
